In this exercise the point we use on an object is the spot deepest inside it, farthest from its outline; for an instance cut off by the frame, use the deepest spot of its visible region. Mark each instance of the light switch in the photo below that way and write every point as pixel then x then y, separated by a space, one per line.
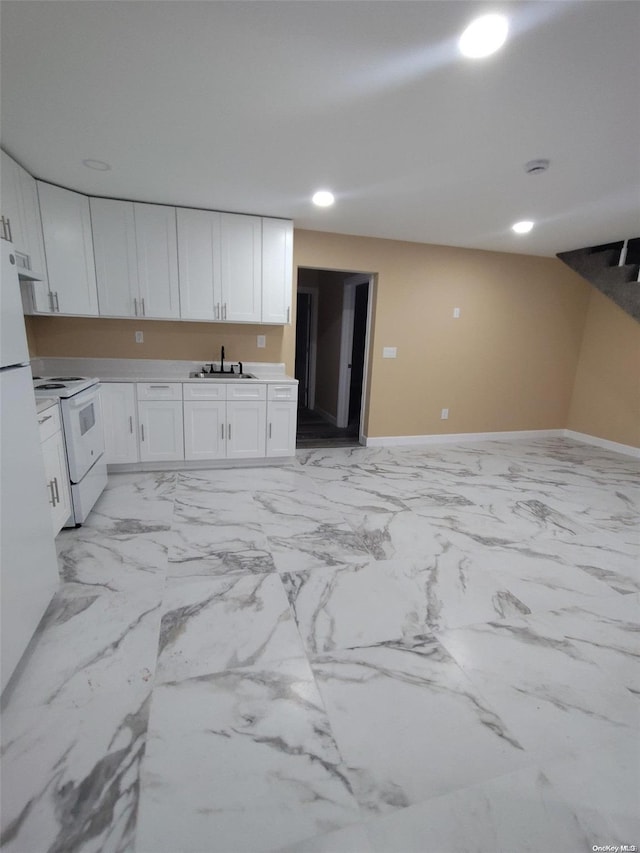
pixel 139 338
pixel 389 352
pixel 262 341
pixel 456 313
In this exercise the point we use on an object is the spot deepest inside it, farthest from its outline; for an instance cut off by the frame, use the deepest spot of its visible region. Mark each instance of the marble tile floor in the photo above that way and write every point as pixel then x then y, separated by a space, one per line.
pixel 360 651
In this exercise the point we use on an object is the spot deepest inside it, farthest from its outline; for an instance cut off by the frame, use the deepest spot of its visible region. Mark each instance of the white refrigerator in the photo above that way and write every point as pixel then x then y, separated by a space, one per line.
pixel 28 563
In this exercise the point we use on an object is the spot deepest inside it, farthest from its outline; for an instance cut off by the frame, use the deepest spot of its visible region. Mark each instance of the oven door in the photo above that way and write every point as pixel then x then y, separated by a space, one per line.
pixel 83 432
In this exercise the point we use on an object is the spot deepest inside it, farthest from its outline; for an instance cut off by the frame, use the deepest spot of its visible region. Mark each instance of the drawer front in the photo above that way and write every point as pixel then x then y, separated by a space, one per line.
pixel 283 392
pixel 204 391
pixel 159 391
pixel 49 422
pixel 246 391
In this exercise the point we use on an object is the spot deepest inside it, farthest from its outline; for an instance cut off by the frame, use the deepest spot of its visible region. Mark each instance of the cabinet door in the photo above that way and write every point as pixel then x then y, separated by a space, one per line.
pixel 58 490
pixel 12 207
pixel 157 247
pixel 281 428
pixel 204 429
pixel 33 225
pixel 120 422
pixel 199 264
pixel 241 268
pixel 114 243
pixel 66 226
pixel 246 433
pixel 277 270
pixel 161 430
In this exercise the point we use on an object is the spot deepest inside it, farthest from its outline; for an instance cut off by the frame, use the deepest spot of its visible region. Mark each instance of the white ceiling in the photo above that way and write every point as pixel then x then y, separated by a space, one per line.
pixel 251 106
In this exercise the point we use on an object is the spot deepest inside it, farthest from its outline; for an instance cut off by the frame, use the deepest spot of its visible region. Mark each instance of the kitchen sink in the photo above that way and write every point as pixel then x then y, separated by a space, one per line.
pixel 227 377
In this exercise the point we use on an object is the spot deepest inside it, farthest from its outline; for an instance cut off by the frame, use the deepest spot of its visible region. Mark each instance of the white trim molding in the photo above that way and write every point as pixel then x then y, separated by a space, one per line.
pixel 461 437
pixel 627 449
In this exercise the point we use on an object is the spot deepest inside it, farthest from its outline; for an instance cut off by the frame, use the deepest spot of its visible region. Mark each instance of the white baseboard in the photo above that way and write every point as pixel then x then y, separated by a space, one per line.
pixel 627 449
pixel 460 437
pixel 331 418
pixel 467 437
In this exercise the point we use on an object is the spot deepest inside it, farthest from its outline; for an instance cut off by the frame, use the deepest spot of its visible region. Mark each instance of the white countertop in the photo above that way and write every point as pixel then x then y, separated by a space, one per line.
pixel 150 370
pixel 44 403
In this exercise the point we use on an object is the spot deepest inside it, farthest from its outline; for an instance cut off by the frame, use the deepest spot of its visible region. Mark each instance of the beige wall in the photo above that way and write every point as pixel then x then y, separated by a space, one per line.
pixel 508 363
pixel 606 393
pixel 98 338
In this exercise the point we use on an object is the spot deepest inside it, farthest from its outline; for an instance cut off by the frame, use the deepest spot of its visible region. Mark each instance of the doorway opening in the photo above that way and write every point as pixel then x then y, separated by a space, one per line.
pixel 332 345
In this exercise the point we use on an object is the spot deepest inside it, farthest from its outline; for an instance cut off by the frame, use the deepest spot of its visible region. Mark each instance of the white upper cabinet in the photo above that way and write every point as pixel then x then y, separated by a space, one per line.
pixel 220 263
pixel 277 270
pixel 114 244
pixel 157 244
pixel 20 207
pixel 199 264
pixel 136 259
pixel 234 268
pixel 68 243
pixel 241 268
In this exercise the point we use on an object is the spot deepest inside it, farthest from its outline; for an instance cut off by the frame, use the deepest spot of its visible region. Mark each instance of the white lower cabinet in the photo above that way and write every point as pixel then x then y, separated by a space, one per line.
pixel 55 467
pixel 120 419
pixel 224 421
pixel 204 429
pixel 160 421
pixel 197 421
pixel 282 418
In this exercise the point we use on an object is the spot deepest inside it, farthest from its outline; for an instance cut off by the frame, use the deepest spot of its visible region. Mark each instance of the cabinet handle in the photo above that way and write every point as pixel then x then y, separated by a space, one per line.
pixel 57 303
pixel 131 424
pixel 156 387
pixel 52 501
pixel 55 485
pixel 51 302
pixel 224 311
pixel 4 228
pixel 144 313
pixel 289 314
pixel 46 418
pixel 269 430
pixel 217 311
pixel 135 305
pixel 142 431
pixel 222 431
pixel 228 432
pixel 8 229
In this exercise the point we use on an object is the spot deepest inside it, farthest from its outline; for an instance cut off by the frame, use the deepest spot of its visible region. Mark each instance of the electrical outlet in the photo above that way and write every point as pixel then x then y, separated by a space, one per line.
pixel 444 414
pixel 262 341
pixel 456 313
pixel 389 352
pixel 139 338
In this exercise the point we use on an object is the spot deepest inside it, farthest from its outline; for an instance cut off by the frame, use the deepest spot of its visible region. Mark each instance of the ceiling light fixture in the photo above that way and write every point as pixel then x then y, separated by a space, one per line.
pixel 522 227
pixel 96 165
pixel 484 36
pixel 536 167
pixel 323 198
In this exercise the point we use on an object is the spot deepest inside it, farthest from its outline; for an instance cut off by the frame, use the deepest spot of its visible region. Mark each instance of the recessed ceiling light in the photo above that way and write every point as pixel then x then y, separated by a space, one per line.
pixel 323 198
pixel 522 227
pixel 484 36
pixel 97 165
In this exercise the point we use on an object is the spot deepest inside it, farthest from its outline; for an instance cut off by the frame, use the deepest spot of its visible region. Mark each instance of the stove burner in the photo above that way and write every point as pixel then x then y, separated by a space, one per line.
pixel 67 378
pixel 50 386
